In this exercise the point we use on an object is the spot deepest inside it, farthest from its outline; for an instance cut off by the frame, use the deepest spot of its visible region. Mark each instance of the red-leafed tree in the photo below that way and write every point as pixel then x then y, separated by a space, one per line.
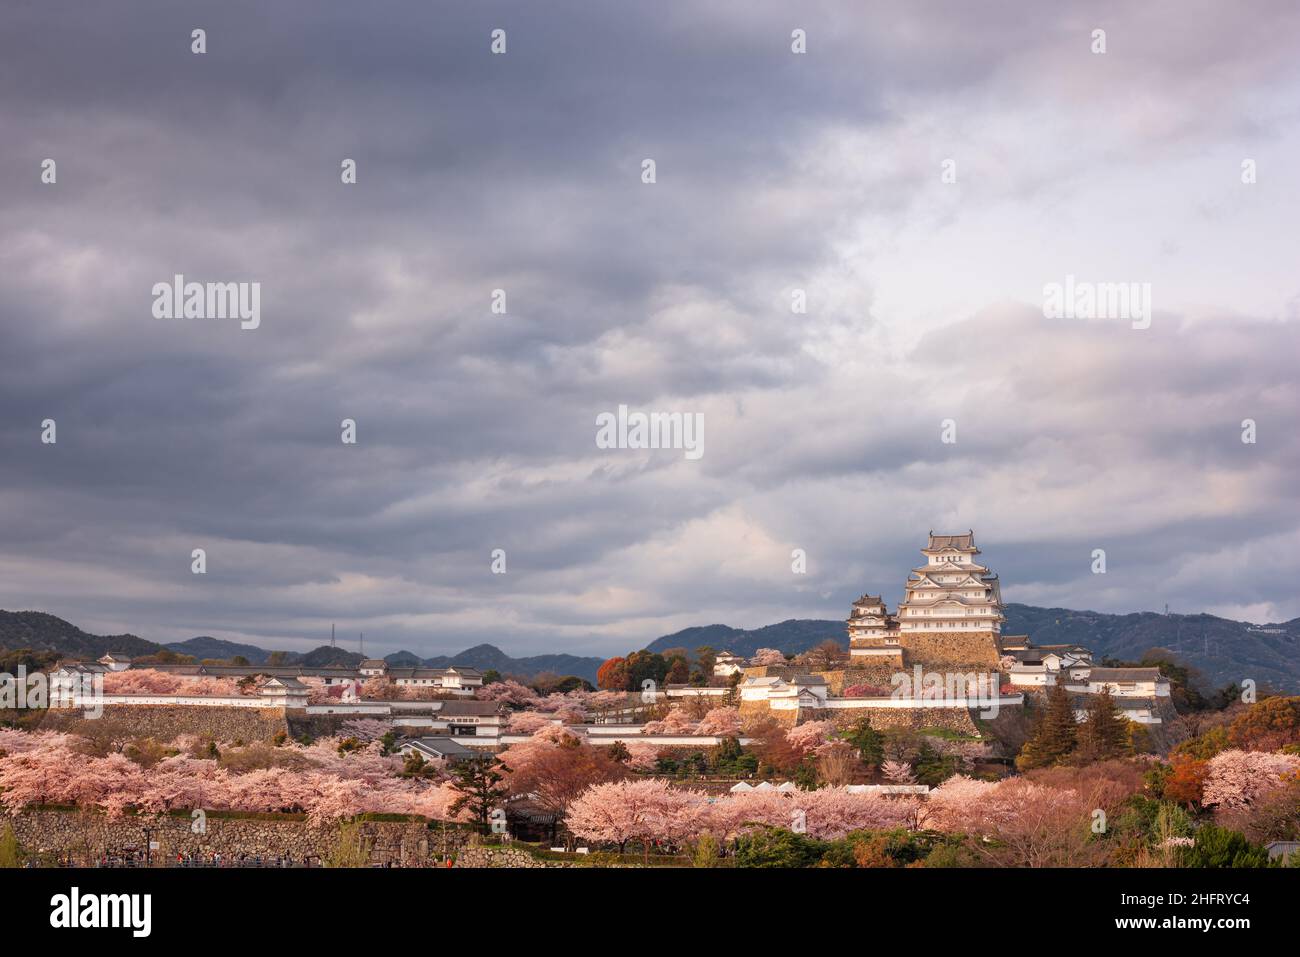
pixel 612 675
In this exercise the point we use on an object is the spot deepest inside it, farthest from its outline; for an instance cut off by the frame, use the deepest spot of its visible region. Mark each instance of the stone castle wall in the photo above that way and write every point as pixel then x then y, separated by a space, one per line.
pixel 951 650
pixel 165 722
pixel 768 671
pixel 958 720
pixel 877 673
pixel 88 836
pixel 761 710
pixel 505 856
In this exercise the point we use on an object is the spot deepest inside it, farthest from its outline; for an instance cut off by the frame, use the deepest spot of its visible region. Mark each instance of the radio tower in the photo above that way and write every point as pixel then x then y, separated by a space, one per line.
pixel 332 642
pixel 363 644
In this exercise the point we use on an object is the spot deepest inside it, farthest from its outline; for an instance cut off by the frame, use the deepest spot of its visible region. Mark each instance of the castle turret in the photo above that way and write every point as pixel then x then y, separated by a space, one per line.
pixel 871 626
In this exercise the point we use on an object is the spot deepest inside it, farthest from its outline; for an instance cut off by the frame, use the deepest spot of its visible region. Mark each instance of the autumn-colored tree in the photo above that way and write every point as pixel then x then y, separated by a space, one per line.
pixel 612 675
pixel 775 752
pixel 554 775
pixel 1185 782
pixel 1268 725
pixel 1054 736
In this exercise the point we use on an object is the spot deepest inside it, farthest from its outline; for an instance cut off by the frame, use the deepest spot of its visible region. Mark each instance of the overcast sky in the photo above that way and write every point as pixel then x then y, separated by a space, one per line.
pixel 775 172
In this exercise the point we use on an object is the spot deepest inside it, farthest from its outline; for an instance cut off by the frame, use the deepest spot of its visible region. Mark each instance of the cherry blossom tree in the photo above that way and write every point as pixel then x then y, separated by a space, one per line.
pixel 676 721
pixel 554 771
pixel 736 814
pixel 509 692
pixel 526 722
pixel 1235 780
pixel 724 722
pixel 767 656
pixel 830 813
pixel 366 729
pixel 641 756
pixel 898 772
pixel 150 681
pixel 379 688
pixel 1017 822
pixel 810 735
pixel 54 768
pixel 951 805
pixel 644 810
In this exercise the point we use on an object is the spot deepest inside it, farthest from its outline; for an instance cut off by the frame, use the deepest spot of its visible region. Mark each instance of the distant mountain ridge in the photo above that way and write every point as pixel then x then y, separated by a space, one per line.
pixel 1224 651
pixel 43 632
pixel 484 657
pixel 205 646
pixel 790 636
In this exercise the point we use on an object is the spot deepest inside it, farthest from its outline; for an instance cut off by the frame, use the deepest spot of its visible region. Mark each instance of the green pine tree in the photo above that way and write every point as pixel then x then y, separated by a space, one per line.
pixel 1105 732
pixel 1219 847
pixel 478 782
pixel 1055 735
pixel 869 742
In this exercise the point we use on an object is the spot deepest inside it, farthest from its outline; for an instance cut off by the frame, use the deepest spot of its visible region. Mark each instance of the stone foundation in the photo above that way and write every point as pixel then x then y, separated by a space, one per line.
pixel 502 857
pixel 950 650
pixel 878 673
pixel 958 720
pixel 164 722
pixel 89 836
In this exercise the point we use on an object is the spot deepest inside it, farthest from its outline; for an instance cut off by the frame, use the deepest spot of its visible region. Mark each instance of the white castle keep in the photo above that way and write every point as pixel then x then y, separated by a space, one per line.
pixel 951 593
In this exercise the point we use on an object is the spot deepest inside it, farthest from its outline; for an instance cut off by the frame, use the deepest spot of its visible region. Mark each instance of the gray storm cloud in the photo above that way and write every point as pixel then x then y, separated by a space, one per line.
pixel 776 172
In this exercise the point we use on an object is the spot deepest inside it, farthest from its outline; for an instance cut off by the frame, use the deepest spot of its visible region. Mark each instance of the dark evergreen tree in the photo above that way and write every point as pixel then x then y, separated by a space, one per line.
pixel 479 783
pixel 1105 732
pixel 1055 735
pixel 869 742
